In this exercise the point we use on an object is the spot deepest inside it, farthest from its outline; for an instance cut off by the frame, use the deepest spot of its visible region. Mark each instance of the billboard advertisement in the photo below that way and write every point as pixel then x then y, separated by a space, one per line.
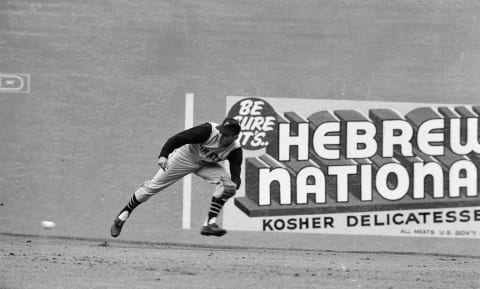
pixel 357 167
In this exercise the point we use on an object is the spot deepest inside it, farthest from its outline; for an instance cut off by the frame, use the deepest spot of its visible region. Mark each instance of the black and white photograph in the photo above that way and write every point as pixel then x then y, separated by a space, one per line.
pixel 240 144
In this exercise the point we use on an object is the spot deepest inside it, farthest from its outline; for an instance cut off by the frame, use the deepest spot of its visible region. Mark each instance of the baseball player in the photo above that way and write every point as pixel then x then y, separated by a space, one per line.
pixel 200 150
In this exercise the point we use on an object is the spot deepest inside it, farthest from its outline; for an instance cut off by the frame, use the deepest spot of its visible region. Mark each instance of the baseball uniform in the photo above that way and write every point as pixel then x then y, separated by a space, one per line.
pixel 200 150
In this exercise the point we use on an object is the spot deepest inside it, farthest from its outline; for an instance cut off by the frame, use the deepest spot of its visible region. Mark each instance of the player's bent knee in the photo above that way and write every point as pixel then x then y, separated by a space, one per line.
pixel 227 194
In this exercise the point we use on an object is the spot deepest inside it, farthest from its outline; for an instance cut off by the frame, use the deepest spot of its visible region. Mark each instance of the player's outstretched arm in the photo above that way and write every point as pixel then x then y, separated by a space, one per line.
pixel 197 134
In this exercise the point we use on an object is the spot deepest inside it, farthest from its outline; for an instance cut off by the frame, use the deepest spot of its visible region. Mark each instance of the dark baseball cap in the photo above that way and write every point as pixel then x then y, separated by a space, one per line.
pixel 229 126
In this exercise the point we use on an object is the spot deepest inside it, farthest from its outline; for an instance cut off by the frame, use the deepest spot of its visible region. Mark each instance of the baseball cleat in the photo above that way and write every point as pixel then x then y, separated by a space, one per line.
pixel 213 230
pixel 116 228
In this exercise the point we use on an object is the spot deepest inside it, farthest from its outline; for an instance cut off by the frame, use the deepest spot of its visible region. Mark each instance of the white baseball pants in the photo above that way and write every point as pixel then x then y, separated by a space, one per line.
pixel 180 164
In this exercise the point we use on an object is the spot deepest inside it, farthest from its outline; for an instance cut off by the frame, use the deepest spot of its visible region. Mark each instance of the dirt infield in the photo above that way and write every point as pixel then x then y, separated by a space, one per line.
pixel 53 262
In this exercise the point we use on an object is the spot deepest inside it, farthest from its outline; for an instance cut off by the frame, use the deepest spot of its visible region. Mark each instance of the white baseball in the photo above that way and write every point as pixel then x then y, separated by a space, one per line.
pixel 48 224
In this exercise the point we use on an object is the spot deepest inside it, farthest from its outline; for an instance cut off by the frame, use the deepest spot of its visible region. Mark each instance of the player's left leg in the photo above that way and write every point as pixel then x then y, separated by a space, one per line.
pixel 214 174
pixel 179 165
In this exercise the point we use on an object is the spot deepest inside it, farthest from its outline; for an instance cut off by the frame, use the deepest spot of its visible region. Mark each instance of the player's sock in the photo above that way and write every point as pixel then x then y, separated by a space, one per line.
pixel 216 206
pixel 127 210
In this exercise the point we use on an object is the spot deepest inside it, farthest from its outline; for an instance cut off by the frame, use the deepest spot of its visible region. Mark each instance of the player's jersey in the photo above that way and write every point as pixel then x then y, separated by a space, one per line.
pixel 200 145
pixel 211 151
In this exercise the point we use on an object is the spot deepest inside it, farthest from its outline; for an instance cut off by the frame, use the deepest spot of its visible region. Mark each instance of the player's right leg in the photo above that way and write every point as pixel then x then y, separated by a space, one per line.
pixel 177 168
pixel 142 194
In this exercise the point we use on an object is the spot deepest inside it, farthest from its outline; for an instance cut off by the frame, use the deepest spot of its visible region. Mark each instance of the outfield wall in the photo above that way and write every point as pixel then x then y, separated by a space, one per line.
pixel 107 83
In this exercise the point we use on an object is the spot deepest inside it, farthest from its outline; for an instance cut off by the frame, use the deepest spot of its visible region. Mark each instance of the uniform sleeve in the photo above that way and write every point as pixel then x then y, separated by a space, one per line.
pixel 235 159
pixel 197 134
